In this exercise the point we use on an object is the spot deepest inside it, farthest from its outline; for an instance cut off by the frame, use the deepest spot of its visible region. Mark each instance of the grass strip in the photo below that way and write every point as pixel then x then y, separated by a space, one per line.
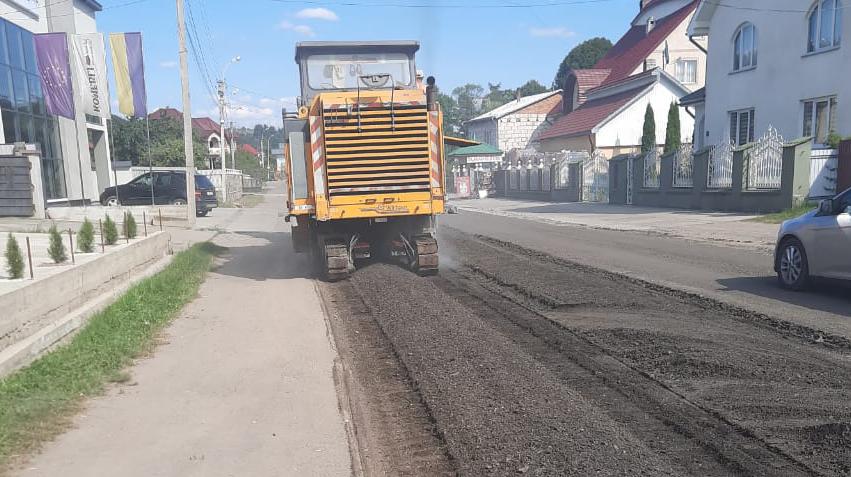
pixel 780 217
pixel 38 402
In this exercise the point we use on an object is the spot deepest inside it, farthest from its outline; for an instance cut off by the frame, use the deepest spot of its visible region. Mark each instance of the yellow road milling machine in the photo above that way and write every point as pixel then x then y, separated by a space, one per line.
pixel 364 157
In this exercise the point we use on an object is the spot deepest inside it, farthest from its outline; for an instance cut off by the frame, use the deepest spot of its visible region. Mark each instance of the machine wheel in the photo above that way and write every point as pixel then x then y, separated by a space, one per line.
pixel 334 261
pixel 426 261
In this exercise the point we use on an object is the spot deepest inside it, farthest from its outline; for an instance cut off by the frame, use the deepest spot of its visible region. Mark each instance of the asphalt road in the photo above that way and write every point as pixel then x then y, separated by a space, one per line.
pixel 740 276
pixel 242 383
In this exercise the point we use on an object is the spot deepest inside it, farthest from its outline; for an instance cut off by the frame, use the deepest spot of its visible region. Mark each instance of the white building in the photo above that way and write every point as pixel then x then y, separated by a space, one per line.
pixel 516 124
pixel 70 173
pixel 783 66
pixel 653 63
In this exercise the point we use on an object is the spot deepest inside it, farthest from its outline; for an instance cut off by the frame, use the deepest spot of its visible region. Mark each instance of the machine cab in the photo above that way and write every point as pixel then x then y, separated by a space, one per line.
pixel 351 66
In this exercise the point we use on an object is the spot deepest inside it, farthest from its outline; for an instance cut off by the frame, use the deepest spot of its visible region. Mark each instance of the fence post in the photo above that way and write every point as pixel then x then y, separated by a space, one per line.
pixel 100 226
pixel 161 219
pixel 30 258
pixel 71 241
pixel 145 223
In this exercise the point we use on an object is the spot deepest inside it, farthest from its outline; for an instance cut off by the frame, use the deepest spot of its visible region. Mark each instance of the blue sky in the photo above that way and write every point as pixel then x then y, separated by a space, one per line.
pixel 461 41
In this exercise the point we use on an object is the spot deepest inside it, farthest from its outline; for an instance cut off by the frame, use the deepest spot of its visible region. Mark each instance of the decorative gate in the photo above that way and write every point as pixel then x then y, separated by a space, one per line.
pixel 595 178
pixel 719 174
pixel 684 166
pixel 629 175
pixel 765 161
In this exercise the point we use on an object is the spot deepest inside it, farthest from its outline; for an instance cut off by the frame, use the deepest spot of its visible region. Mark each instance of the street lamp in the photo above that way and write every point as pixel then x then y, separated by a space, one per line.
pixel 222 140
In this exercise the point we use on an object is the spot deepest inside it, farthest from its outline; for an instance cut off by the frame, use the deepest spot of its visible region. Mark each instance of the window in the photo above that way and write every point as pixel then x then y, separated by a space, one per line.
pixel 824 25
pixel 820 118
pixel 745 48
pixel 741 126
pixel 686 71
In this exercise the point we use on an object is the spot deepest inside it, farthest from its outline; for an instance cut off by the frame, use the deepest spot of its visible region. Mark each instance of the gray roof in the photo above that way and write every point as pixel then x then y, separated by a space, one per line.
pixel 696 97
pixel 514 105
pixel 408 46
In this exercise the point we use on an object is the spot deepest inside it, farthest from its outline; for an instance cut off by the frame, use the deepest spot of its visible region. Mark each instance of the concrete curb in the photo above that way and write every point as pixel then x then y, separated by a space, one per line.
pixel 67 300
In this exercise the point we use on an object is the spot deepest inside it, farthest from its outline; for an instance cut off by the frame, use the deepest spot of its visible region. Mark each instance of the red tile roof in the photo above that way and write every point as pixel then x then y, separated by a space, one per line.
pixel 636 44
pixel 205 125
pixel 590 114
pixel 249 149
pixel 589 79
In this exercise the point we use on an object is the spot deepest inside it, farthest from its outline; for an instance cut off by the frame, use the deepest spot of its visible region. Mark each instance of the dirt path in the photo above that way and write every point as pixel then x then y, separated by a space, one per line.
pixel 242 384
pixel 531 365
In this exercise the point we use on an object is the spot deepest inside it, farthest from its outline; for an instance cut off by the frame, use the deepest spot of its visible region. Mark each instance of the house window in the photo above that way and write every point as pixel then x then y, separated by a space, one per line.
pixel 686 71
pixel 824 25
pixel 820 118
pixel 741 126
pixel 745 48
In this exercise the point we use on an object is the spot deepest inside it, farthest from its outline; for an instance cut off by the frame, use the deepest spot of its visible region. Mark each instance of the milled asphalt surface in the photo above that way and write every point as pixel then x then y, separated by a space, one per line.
pixel 739 275
pixel 241 385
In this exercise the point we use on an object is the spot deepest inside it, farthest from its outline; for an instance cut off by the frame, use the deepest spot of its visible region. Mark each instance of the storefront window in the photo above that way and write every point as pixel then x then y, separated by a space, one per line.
pixel 24 115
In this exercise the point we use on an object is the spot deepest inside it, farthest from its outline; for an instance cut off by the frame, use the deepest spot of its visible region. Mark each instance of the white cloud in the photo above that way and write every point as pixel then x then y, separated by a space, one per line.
pixel 551 32
pixel 264 110
pixel 302 29
pixel 318 14
pixel 168 64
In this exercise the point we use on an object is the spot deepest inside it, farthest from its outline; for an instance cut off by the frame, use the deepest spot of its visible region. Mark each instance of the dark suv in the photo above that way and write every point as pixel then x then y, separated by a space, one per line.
pixel 167 187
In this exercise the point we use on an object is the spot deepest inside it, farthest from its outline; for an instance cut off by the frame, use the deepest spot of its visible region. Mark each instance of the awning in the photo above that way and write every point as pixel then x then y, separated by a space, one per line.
pixel 478 150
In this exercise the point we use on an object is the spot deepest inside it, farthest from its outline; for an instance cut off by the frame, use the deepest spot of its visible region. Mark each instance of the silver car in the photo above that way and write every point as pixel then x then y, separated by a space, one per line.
pixel 816 244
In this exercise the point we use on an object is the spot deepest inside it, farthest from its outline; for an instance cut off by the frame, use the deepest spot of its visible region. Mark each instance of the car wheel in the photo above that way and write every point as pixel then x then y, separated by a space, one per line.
pixel 178 202
pixel 793 271
pixel 112 201
pixel 202 213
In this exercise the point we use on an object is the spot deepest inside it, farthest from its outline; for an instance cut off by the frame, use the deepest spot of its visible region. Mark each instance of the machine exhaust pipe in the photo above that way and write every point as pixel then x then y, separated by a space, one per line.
pixel 431 94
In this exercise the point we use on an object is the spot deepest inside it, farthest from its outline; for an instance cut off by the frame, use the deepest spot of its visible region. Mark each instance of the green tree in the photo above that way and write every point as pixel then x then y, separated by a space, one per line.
pixel 14 258
pixel 56 249
pixel 86 237
pixel 531 87
pixel 648 138
pixel 582 56
pixel 452 122
pixel 129 225
pixel 250 164
pixel 496 97
pixel 131 144
pixel 673 139
pixel 110 231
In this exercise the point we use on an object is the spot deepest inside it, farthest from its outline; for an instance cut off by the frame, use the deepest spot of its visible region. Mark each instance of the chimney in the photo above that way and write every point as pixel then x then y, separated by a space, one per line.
pixel 651 24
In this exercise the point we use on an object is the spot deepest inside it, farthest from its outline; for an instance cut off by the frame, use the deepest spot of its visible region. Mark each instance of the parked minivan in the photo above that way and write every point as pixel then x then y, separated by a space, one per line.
pixel 166 187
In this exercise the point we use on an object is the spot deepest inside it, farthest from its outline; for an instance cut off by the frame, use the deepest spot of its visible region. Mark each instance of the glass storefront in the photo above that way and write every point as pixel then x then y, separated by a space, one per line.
pixel 24 115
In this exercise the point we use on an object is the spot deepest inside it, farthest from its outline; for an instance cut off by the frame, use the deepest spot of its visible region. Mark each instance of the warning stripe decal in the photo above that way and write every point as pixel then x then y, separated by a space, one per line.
pixel 434 147
pixel 318 154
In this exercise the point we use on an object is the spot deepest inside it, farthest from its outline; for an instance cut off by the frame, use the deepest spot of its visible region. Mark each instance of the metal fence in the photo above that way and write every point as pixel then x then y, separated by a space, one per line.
pixel 684 166
pixel 595 178
pixel 563 164
pixel 719 174
pixel 652 167
pixel 765 161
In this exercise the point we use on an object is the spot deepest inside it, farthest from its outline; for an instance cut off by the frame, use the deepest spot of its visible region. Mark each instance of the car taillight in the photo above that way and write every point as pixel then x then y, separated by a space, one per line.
pixel 197 194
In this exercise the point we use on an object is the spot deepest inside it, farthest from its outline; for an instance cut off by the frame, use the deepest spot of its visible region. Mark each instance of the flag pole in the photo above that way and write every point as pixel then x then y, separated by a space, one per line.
pixel 150 157
pixel 109 124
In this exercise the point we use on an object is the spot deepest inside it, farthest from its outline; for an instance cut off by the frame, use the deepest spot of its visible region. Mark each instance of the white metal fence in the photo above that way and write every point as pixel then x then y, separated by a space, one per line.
pixel 823 173
pixel 595 178
pixel 652 167
pixel 765 161
pixel 719 174
pixel 684 166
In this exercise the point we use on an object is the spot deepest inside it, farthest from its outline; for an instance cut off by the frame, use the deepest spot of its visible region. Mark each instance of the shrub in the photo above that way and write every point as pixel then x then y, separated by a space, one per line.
pixel 673 140
pixel 14 258
pixel 86 237
pixel 110 231
pixel 648 139
pixel 129 225
pixel 56 250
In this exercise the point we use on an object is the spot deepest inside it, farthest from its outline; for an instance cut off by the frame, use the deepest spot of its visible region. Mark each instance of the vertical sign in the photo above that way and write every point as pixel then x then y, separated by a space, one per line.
pixel 51 51
pixel 90 63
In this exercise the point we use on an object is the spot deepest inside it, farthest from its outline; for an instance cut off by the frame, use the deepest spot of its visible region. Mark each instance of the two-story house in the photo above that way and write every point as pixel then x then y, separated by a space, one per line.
pixel 516 124
pixel 654 63
pixel 780 65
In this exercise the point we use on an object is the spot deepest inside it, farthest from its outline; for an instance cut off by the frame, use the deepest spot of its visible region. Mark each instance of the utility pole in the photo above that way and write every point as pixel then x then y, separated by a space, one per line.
pixel 189 153
pixel 223 141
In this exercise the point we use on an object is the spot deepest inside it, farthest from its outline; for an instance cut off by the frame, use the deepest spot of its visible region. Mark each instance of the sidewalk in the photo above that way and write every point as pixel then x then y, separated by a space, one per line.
pixel 242 384
pixel 715 227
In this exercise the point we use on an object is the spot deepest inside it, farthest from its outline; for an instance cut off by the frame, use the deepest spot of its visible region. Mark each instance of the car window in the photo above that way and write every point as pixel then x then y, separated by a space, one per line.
pixel 163 180
pixel 144 179
pixel 203 182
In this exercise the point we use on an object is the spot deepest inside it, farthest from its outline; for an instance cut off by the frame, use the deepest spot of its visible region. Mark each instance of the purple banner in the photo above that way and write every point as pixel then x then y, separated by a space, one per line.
pixel 136 63
pixel 51 51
